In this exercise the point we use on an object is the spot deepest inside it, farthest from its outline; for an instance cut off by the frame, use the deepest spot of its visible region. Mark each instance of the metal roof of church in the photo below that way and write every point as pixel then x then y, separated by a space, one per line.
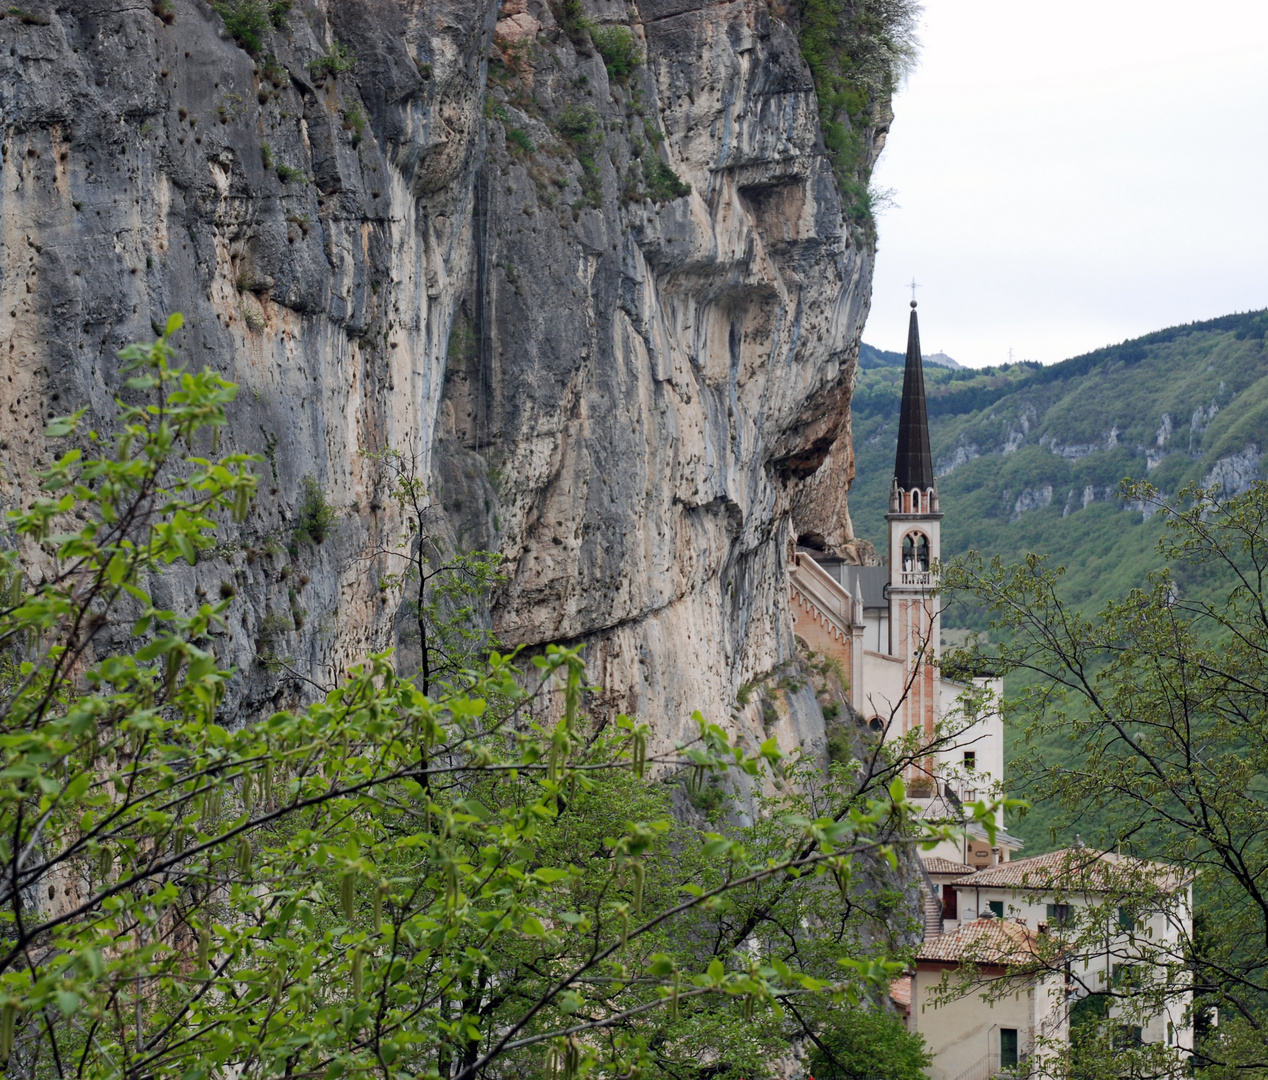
pixel 868 584
pixel 913 464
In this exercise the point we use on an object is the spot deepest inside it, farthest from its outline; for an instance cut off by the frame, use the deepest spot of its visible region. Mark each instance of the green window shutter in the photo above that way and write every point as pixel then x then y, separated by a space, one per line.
pixel 1007 1047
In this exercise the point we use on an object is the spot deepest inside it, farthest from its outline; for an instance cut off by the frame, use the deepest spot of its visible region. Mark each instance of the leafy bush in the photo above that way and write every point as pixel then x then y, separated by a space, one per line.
pixel 856 51
pixel 663 184
pixel 518 139
pixel 868 1042
pixel 572 19
pixel 316 515
pixel 334 62
pixel 619 48
pixel 248 21
pixel 582 129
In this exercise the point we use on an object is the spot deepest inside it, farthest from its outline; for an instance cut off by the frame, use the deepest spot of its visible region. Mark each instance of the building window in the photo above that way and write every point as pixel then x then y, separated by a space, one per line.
pixel 970 760
pixel 876 724
pixel 1058 914
pixel 1171 1033
pixel 996 906
pixel 916 552
pixel 1123 975
pixel 1126 918
pixel 1129 1037
pixel 1007 1047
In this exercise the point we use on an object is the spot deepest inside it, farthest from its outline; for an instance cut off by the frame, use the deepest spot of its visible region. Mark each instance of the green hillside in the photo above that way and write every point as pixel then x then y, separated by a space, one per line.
pixel 1029 458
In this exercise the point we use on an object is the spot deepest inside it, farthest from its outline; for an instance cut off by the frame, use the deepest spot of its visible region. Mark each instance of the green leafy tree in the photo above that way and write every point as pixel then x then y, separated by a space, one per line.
pixel 471 881
pixel 1150 717
pixel 858 1045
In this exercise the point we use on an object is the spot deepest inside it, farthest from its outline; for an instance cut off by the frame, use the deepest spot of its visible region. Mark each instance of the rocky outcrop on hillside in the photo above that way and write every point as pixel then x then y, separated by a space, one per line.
pixel 610 308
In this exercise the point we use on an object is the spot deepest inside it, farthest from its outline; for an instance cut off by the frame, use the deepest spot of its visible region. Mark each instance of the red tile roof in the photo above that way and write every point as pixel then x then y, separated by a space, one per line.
pixel 1079 870
pixel 985 941
pixel 947 866
pixel 900 991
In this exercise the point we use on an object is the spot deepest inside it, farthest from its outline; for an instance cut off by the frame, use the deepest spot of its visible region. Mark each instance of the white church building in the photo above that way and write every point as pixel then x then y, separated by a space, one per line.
pixel 883 624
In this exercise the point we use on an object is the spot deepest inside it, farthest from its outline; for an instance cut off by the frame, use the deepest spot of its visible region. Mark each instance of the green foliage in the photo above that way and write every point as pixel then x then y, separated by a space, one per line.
pixel 619 48
pixel 572 19
pixel 708 798
pixel 582 129
pixel 856 51
pixel 1145 721
pixel 868 1042
pixel 289 174
pixel 333 62
pixel 388 881
pixel 249 21
pixel 518 139
pixel 354 120
pixel 315 515
pixel 662 183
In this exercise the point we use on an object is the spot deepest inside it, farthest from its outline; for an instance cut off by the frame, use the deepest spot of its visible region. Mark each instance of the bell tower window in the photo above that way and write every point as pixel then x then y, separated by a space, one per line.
pixel 915 502
pixel 915 552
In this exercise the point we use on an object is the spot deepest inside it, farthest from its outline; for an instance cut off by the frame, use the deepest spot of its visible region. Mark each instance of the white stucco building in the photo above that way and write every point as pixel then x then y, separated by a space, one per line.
pixel 1126 922
pixel 988 1000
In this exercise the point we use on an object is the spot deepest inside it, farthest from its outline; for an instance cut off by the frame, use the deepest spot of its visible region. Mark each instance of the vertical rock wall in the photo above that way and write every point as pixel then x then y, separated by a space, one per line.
pixel 634 392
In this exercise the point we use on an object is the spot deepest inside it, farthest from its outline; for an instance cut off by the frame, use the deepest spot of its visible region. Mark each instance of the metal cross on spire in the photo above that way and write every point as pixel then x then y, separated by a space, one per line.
pixel 914 287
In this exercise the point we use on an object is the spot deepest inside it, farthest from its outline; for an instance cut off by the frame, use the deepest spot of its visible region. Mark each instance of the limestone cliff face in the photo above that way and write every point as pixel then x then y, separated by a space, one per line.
pixel 636 393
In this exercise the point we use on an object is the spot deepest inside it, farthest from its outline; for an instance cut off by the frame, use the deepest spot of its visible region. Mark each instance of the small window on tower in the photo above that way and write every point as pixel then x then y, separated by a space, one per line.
pixel 915 502
pixel 970 760
pixel 922 553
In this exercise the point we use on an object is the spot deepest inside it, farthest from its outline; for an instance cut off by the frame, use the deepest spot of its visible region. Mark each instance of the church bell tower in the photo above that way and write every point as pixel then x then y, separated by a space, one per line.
pixel 915 522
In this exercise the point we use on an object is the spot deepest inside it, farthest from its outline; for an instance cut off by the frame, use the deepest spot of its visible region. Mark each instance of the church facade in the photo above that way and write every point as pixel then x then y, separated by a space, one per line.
pixel 883 624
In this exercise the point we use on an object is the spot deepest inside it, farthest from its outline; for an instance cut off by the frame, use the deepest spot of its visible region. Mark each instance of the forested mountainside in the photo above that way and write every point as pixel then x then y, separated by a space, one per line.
pixel 1029 458
pixel 597 271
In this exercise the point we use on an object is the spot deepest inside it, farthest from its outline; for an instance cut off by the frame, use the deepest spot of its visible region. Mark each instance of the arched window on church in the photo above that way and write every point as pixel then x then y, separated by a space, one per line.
pixel 915 552
pixel 915 502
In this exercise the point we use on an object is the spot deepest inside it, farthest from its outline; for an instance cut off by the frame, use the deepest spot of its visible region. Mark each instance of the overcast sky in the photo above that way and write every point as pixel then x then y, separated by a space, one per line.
pixel 1071 173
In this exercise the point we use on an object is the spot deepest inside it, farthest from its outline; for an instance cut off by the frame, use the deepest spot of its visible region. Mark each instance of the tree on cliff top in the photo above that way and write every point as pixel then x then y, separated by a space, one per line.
pixel 387 881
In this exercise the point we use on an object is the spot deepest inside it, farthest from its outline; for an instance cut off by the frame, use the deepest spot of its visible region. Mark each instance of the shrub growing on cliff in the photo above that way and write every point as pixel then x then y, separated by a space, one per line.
pixel 315 515
pixel 663 184
pixel 334 62
pixel 619 48
pixel 856 50
pixel 248 21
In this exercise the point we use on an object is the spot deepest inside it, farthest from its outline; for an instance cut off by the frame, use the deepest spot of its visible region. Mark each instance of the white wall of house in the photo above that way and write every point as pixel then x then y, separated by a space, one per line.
pixel 1160 933
pixel 964 1033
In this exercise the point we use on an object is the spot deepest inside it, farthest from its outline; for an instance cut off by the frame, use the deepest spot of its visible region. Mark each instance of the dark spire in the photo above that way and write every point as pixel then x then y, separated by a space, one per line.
pixel 913 465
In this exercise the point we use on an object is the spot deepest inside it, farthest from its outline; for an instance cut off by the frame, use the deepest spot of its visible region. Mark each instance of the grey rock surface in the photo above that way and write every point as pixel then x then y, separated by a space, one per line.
pixel 635 393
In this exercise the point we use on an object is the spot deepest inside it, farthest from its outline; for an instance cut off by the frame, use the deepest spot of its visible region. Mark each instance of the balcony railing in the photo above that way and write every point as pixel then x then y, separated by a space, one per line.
pixel 916 577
